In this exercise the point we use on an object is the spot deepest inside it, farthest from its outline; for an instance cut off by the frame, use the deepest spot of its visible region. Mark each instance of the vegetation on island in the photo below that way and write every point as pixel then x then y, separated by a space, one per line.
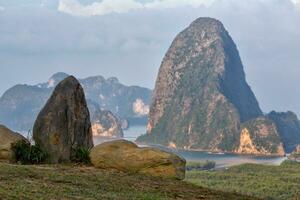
pixel 262 181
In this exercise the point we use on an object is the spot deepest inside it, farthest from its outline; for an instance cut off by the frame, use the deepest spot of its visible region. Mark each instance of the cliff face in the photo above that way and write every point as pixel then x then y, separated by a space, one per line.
pixel 203 62
pixel 289 128
pixel 201 97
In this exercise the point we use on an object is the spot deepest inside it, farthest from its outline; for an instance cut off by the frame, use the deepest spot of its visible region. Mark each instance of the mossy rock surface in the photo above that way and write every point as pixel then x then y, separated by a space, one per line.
pixel 128 157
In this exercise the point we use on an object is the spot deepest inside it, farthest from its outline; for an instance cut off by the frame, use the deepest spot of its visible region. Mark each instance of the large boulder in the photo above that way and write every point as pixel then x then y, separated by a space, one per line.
pixel 7 137
pixel 64 123
pixel 128 157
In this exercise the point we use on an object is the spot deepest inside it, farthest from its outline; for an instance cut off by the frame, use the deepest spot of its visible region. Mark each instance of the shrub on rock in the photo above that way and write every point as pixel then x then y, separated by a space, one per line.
pixel 25 153
pixel 81 155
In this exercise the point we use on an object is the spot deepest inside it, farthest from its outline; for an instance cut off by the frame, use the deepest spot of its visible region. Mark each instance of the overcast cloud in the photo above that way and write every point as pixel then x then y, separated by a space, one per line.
pixel 128 39
pixel 74 7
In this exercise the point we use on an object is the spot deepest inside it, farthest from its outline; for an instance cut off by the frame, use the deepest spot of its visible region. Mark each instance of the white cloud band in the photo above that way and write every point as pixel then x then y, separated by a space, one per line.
pixel 74 7
pixel 295 1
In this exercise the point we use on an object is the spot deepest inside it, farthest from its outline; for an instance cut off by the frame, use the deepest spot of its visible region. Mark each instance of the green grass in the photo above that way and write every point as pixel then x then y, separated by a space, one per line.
pixel 267 182
pixel 206 165
pixel 79 182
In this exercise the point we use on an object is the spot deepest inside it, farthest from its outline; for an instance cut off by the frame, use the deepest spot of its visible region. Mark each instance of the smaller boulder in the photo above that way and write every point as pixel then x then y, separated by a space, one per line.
pixel 128 157
pixel 7 137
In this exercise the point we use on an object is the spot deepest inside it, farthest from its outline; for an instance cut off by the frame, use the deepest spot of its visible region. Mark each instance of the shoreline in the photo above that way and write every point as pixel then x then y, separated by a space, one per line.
pixel 212 152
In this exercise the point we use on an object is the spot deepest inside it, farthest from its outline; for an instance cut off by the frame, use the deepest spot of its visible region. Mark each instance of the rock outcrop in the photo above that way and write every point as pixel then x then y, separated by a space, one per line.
pixel 201 98
pixel 128 157
pixel 64 123
pixel 7 137
pixel 295 155
pixel 105 124
pixel 288 126
pixel 260 136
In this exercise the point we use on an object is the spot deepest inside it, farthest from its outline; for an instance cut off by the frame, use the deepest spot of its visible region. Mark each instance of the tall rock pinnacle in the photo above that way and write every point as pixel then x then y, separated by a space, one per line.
pixel 201 96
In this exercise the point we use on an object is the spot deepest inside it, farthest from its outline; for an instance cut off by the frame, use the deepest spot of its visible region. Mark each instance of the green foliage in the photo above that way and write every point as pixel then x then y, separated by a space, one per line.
pixel 81 155
pixel 290 163
pixel 25 153
pixel 207 165
pixel 262 181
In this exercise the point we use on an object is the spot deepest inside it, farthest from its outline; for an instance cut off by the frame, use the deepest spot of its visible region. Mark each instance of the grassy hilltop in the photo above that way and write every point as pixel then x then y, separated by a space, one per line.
pixel 71 182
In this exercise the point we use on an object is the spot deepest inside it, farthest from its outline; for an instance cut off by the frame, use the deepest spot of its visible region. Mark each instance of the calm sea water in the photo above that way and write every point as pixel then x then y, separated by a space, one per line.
pixel 222 160
pixel 133 132
pixel 130 134
pixel 227 160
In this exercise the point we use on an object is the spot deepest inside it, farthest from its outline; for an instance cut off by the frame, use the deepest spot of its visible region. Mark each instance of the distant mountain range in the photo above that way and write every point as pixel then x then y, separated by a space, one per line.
pixel 20 104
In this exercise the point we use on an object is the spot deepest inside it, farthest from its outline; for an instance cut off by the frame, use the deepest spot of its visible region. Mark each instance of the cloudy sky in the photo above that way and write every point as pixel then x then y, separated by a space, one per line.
pixel 128 39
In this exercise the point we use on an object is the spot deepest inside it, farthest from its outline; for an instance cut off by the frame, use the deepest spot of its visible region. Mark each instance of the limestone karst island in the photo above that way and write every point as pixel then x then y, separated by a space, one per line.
pixel 149 100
